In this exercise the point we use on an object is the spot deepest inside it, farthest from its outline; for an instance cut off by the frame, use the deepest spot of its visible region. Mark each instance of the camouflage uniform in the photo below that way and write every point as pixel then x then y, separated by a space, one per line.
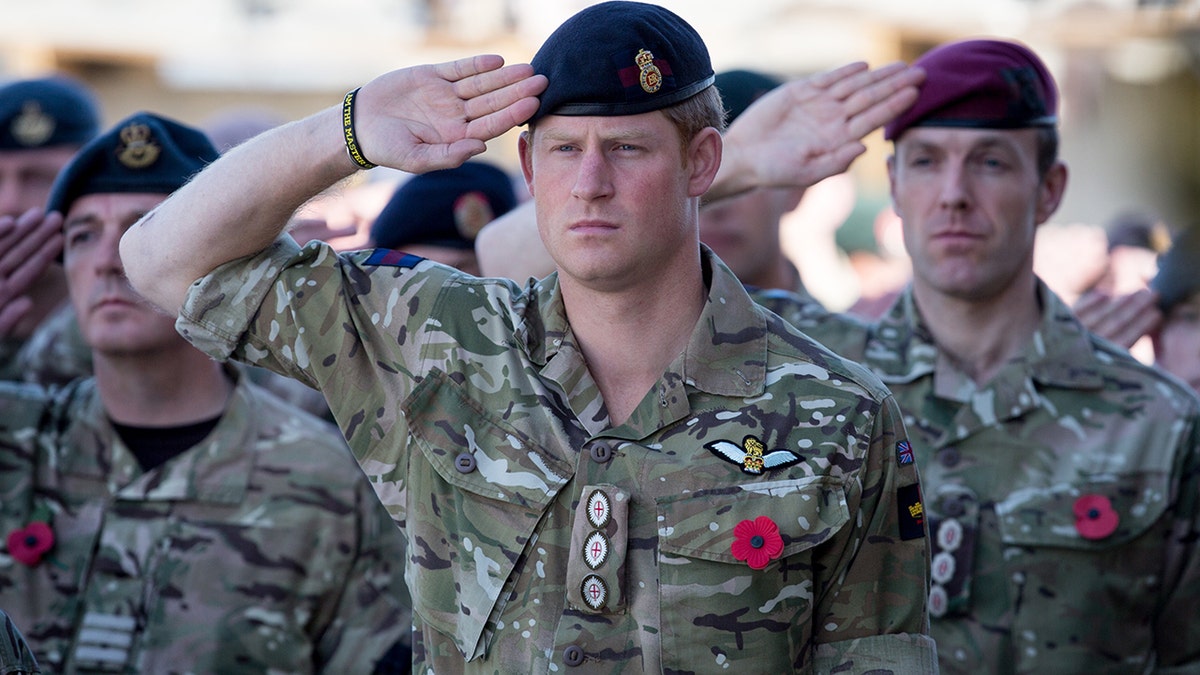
pixel 541 536
pixel 56 353
pixel 1062 496
pixel 261 548
pixel 15 656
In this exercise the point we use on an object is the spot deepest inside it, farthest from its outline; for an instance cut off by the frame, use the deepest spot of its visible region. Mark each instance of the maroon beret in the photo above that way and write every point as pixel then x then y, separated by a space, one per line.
pixel 981 84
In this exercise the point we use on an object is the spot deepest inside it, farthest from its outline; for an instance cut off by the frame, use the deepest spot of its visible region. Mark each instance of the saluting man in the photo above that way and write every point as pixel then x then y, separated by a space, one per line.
pixel 625 466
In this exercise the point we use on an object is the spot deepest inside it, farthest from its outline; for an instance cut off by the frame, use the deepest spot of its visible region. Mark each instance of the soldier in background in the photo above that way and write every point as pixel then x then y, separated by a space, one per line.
pixel 166 515
pixel 43 122
pixel 626 466
pixel 437 215
pixel 1062 477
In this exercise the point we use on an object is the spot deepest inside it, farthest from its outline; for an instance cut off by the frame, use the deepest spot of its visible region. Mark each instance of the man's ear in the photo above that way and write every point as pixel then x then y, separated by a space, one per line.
pixel 525 152
pixel 891 170
pixel 1050 195
pixel 704 158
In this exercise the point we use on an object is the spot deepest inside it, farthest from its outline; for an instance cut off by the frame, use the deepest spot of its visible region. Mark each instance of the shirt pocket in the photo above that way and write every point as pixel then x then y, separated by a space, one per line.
pixel 478 490
pixel 225 593
pixel 716 608
pixel 1073 552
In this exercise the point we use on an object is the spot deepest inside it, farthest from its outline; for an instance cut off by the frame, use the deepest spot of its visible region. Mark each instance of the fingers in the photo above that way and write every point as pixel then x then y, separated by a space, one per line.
pixel 24 237
pixel 470 66
pixel 830 78
pixel 11 312
pixel 504 93
pixel 1122 320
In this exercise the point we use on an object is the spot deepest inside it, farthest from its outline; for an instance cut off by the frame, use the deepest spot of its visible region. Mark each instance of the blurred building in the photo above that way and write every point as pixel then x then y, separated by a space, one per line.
pixel 1129 69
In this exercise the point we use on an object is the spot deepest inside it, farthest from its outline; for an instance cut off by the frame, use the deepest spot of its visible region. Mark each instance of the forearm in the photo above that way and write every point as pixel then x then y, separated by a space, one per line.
pixel 235 207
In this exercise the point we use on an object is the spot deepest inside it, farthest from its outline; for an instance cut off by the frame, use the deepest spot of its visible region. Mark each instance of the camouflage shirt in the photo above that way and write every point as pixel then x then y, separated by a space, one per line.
pixel 1062 496
pixel 542 537
pixel 260 549
pixel 56 353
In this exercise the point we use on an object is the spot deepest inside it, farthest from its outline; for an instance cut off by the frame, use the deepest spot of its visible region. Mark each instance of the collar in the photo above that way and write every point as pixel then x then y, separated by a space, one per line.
pixel 726 354
pixel 217 470
pixel 900 347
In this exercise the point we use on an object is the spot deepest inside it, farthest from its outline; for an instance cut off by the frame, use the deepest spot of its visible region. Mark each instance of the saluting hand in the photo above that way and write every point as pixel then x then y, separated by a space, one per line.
pixel 28 245
pixel 438 116
pixel 809 129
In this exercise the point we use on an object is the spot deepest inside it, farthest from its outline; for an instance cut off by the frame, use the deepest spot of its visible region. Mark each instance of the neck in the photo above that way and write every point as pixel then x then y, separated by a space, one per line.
pixel 630 338
pixel 980 336
pixel 168 388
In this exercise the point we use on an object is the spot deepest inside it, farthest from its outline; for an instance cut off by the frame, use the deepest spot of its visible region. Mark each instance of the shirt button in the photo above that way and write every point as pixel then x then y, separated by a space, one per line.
pixel 601 453
pixel 465 462
pixel 573 655
pixel 949 457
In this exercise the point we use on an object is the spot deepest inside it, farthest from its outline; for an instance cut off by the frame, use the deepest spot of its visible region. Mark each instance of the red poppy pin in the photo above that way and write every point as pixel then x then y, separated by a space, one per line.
pixel 1095 517
pixel 757 542
pixel 27 545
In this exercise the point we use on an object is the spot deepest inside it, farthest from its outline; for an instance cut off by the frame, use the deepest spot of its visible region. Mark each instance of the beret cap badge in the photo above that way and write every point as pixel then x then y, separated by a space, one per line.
pixel 471 213
pixel 649 76
pixel 32 127
pixel 138 149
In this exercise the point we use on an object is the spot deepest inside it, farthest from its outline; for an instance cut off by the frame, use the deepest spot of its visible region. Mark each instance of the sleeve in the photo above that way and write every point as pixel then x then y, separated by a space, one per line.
pixel 1176 630
pixel 871 615
pixel 349 325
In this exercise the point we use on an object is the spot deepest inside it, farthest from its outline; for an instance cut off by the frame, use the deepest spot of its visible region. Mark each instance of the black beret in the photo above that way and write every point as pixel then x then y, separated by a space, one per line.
pixel 981 84
pixel 444 208
pixel 142 153
pixel 621 58
pixel 1178 276
pixel 46 112
pixel 740 88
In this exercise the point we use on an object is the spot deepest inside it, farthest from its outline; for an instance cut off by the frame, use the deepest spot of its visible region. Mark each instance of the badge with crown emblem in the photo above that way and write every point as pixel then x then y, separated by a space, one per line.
pixel 471 213
pixel 138 149
pixel 33 126
pixel 650 77
pixel 751 455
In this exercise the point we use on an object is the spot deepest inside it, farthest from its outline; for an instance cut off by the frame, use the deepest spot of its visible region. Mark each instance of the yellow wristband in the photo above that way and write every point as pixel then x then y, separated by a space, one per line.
pixel 348 132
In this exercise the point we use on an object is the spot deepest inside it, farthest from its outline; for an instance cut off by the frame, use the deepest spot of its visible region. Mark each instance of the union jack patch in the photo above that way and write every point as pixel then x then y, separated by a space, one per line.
pixel 904 452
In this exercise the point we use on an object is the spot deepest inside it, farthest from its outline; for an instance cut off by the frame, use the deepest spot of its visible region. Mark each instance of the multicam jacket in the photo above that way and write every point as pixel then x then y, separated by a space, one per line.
pixel 541 537
pixel 1062 495
pixel 262 548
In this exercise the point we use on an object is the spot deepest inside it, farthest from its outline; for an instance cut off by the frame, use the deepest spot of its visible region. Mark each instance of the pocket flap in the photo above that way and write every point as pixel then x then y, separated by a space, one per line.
pixel 700 525
pixel 1121 509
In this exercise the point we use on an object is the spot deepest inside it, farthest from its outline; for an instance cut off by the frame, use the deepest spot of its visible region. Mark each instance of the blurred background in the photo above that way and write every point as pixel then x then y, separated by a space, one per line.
pixel 1129 70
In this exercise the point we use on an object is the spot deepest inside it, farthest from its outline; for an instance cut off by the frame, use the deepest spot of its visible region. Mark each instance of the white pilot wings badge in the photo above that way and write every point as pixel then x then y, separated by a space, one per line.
pixel 750 456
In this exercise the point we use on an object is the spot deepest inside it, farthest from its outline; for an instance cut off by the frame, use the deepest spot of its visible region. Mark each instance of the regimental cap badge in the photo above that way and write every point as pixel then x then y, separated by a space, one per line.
pixel 751 455
pixel 650 77
pixel 471 212
pixel 32 127
pixel 138 148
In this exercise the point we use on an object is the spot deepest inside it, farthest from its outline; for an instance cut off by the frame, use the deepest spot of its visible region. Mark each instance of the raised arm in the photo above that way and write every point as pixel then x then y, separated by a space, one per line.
pixel 809 129
pixel 415 119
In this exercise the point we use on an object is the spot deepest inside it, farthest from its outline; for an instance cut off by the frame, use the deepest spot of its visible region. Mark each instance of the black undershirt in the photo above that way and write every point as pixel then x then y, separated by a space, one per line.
pixel 153 446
